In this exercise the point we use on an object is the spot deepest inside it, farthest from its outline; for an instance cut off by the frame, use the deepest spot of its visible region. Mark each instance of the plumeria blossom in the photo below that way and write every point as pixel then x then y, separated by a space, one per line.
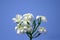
pixel 43 18
pixel 19 29
pixel 22 28
pixel 29 25
pixel 28 18
pixel 27 28
pixel 18 18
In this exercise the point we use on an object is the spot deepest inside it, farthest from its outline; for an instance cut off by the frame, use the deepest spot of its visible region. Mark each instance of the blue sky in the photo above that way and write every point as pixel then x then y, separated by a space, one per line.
pixel 48 8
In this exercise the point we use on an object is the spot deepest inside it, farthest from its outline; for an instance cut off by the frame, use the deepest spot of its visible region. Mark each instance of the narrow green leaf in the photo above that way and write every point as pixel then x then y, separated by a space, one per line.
pixel 34 23
pixel 37 35
pixel 39 22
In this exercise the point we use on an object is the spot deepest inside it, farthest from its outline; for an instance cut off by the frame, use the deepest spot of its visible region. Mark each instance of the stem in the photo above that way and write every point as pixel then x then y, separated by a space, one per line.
pixel 30 36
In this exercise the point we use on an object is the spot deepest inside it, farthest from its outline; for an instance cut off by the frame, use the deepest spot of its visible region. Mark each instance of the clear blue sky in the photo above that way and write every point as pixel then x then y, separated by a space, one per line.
pixel 48 8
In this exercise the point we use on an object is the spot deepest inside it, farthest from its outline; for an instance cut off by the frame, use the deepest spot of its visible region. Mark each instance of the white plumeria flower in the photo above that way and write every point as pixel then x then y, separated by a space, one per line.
pixel 18 18
pixel 20 30
pixel 23 29
pixel 42 29
pixel 43 18
pixel 28 17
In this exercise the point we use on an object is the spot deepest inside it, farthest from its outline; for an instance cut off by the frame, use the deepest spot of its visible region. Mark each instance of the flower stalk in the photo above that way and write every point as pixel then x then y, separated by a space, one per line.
pixel 31 37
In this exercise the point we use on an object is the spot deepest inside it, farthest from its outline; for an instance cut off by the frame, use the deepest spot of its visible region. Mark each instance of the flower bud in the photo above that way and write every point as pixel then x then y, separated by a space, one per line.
pixel 42 29
pixel 43 18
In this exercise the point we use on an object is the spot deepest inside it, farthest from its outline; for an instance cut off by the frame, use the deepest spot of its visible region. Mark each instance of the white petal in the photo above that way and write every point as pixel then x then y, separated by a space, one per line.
pixel 28 16
pixel 25 27
pixel 18 16
pixel 13 18
pixel 24 22
pixel 41 29
pixel 21 30
pixel 16 28
pixel 37 17
pixel 18 31
pixel 44 30
pixel 43 18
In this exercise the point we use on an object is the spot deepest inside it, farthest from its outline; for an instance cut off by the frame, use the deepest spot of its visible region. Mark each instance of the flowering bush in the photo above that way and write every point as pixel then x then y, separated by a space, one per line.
pixel 29 25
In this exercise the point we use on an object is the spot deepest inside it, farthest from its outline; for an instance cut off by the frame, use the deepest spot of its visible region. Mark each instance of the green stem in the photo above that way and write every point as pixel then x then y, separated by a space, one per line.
pixel 31 37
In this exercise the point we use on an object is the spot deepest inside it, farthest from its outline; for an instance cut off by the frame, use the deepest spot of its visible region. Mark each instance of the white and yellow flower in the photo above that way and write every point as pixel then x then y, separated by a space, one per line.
pixel 28 18
pixel 22 28
pixel 19 30
pixel 18 18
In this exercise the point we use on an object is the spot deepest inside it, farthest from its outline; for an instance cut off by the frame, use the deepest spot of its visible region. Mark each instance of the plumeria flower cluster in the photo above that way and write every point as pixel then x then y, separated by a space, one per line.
pixel 28 24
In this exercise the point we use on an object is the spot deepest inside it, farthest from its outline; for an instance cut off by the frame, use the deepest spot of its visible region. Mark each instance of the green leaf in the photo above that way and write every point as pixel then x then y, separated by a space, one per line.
pixel 34 23
pixel 37 35
pixel 39 22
